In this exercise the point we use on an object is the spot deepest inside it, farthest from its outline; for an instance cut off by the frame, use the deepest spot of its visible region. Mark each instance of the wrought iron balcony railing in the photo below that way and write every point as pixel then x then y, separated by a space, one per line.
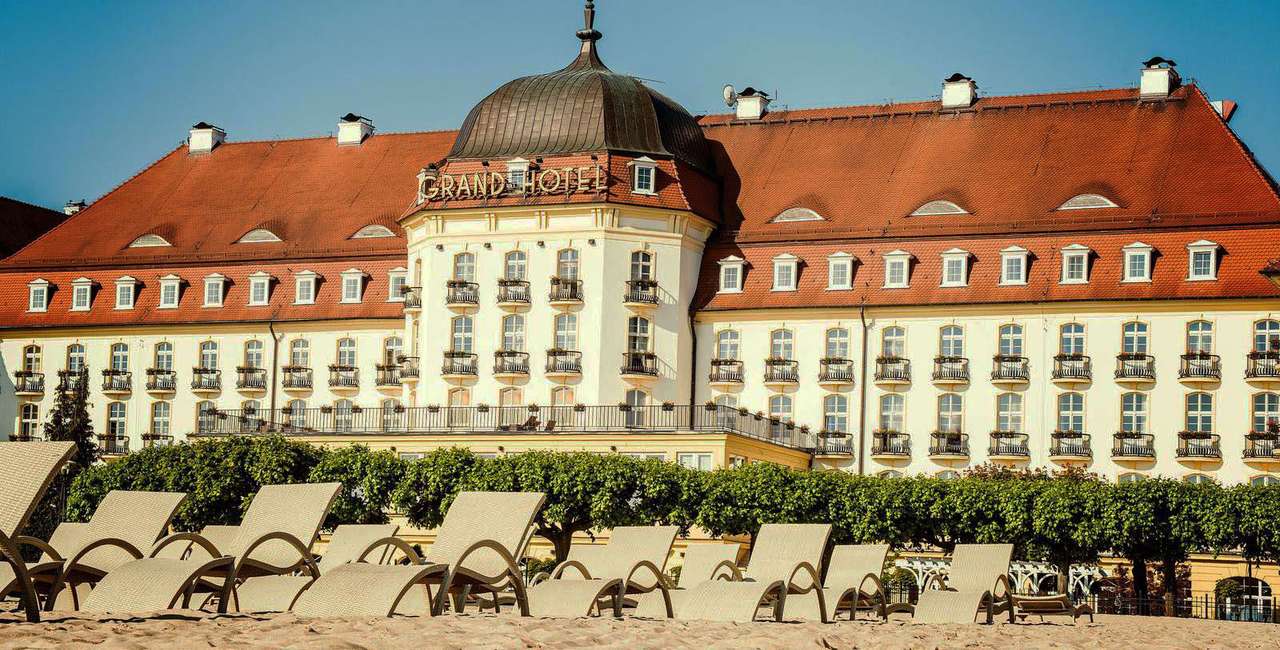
pixel 459 363
pixel 1195 444
pixel 117 381
pixel 73 380
pixel 1070 443
pixel 461 292
pixel 1009 443
pixel 113 445
pixel 640 363
pixel 643 292
pixel 563 290
pixel 1261 445
pixel 1135 366
pixel 781 370
pixel 251 378
pixel 162 380
pixel 1009 368
pixel 564 362
pixel 890 443
pixel 206 379
pixel 387 375
pixel 948 443
pixel 1077 367
pixel 1263 365
pixel 1198 365
pixel 1128 444
pixel 510 362
pixel 893 369
pixel 341 376
pixel 834 369
pixel 297 377
pixel 726 371
pixel 950 368
pixel 513 292
pixel 28 382
pixel 409 368
pixel 412 297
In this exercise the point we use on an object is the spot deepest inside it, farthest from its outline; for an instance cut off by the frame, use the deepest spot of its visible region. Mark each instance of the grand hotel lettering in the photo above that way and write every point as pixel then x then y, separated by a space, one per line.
pixel 486 185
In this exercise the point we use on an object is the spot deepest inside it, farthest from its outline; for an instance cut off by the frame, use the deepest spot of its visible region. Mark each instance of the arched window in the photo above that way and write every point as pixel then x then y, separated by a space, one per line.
pixel 160 418
pixel 642 265
pixel 298 413
pixel 951 341
pixel 727 414
pixel 347 352
pixel 638 334
pixel 1200 413
pixel 1071 339
pixel 462 334
pixel 1011 340
pixel 464 267
pixel 948 475
pixel 31 361
pixel 1136 336
pixel 1199 337
pixel 1009 412
pixel 253 353
pixel 120 357
pixel 893 342
pixel 163 356
pixel 837 343
pixel 149 241
pixel 516 266
pixel 1259 481
pixel 206 420
pixel 950 413
pixel 459 411
pixel 893 409
pixel 510 407
pixel 1266 412
pixel 373 231
pixel 1198 479
pixel 1266 336
pixel 890 473
pixel 1131 477
pixel 75 357
pixel 562 406
pixel 835 414
pixel 392 350
pixel 781 344
pixel 343 415
pixel 250 406
pixel 1133 413
pixel 209 355
pixel 1071 412
pixel 727 344
pixel 566 336
pixel 797 214
pixel 116 420
pixel 636 401
pixel 513 333
pixel 30 426
pixel 1087 202
pixel 300 353
pixel 938 208
pixel 392 415
pixel 259 236
pixel 779 414
pixel 567 264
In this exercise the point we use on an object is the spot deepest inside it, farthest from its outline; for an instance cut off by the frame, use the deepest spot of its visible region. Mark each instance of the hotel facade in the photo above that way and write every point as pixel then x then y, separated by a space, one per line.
pixel 1082 279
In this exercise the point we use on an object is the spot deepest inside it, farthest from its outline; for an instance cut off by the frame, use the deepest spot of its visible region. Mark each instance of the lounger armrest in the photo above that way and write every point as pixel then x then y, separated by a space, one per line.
pixel 194 538
pixel 395 543
pixel 934 578
pixel 735 574
pixel 1003 580
pixel 875 580
pixel 802 568
pixel 646 565
pixel 558 572
pixel 96 544
pixel 36 542
pixel 304 554
pixel 502 552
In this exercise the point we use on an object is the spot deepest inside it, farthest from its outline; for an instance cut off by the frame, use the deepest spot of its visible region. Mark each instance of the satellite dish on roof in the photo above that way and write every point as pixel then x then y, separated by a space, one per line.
pixel 730 95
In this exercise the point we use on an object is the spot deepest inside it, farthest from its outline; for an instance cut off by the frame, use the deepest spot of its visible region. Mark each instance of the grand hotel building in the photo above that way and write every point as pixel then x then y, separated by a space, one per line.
pixel 1068 279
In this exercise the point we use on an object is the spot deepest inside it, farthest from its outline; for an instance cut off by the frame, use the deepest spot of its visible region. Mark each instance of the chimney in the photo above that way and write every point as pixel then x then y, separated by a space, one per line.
pixel 1159 78
pixel 73 207
pixel 353 129
pixel 751 104
pixel 205 137
pixel 958 91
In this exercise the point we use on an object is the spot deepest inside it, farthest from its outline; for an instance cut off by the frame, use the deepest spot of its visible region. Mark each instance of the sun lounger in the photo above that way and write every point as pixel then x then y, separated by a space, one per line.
pixel 786 561
pixel 27 469
pixel 476 548
pixel 702 562
pixel 349 543
pixel 630 564
pixel 1055 605
pixel 852 582
pixel 274 538
pixel 977 582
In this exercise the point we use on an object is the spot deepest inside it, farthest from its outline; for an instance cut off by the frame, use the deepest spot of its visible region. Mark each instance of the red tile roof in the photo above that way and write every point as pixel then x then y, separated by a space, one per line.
pixel 23 223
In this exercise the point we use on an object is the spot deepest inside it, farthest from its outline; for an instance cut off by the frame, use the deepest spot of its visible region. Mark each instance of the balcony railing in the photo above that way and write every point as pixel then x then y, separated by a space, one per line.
pixel 1133 445
pixel 117 381
pixel 510 362
pixel 461 292
pixel 409 368
pixel 893 369
pixel 251 378
pixel 950 369
pixel 412 297
pixel 156 439
pixel 341 376
pixel 1194 444
pixel 564 362
pixel 1070 443
pixel 781 370
pixel 670 418
pixel 1261 445
pixel 832 369
pixel 113 445
pixel 1009 368
pixel 206 379
pixel 565 290
pixel 640 363
pixel 388 375
pixel 834 444
pixel 1009 443
pixel 1200 366
pixel 643 292
pixel 297 377
pixel 25 381
pixel 890 443
pixel 513 291
pixel 948 443
pixel 1073 367
pixel 73 380
pixel 162 380
pixel 1263 365
pixel 726 371
pixel 1135 366
pixel 459 363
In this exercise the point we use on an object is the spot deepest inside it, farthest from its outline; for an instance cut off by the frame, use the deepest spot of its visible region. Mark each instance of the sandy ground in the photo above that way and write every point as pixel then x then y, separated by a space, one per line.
pixel 196 630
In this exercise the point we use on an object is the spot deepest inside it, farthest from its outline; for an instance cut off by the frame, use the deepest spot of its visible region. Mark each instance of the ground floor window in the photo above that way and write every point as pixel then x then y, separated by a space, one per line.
pixel 694 461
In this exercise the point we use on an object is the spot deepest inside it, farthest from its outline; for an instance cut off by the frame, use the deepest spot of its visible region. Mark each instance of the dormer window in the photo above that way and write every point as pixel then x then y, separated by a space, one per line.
pixel 839 271
pixel 352 285
pixel 81 294
pixel 396 283
pixel 517 174
pixel 373 231
pixel 38 295
pixel 1087 202
pixel 731 274
pixel 797 214
pixel 125 288
pixel 149 241
pixel 938 208
pixel 644 173
pixel 955 268
pixel 1137 262
pixel 897 269
pixel 170 285
pixel 259 289
pixel 304 288
pixel 213 288
pixel 1202 260
pixel 259 236
pixel 1013 265
pixel 784 272
pixel 1075 264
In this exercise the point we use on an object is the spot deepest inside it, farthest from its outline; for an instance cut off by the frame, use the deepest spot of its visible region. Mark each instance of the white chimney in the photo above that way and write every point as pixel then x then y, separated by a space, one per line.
pixel 73 207
pixel 353 129
pixel 751 104
pixel 205 137
pixel 1159 78
pixel 958 91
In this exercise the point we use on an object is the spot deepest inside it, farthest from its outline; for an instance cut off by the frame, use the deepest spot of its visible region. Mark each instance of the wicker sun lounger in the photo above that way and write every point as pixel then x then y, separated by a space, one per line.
pixel 630 564
pixel 702 562
pixel 852 583
pixel 1055 605
pixel 27 469
pixel 977 582
pixel 349 543
pixel 274 538
pixel 476 549
pixel 786 562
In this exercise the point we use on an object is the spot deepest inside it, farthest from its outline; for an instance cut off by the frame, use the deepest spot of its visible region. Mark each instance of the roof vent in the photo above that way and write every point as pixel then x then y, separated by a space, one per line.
pixel 354 129
pixel 1159 78
pixel 958 91
pixel 73 207
pixel 205 137
pixel 751 104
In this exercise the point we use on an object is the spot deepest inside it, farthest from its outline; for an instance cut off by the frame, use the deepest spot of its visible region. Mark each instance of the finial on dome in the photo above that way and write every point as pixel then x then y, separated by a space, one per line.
pixel 588 35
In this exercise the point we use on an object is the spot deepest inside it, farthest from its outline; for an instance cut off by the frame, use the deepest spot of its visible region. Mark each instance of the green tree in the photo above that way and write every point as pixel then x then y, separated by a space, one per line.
pixel 69 419
pixel 1252 513
pixel 368 480
pixel 430 484
pixel 1067 525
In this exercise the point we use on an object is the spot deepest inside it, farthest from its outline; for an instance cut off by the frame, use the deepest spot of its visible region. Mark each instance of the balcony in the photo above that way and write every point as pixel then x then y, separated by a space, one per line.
pixel 948 444
pixel 1261 447
pixel 26 382
pixel 1135 369
pixel 833 444
pixel 161 381
pixel 1133 445
pixel 510 364
pixel 460 294
pixel 725 372
pixel 565 293
pixel 641 294
pixel 117 382
pixel 1009 371
pixel 70 381
pixel 1199 368
pixel 1008 446
pixel 1195 445
pixel 206 380
pixel 781 372
pixel 412 299
pixel 834 371
pixel 888 445
pixel 1263 368
pixel 1072 370
pixel 409 369
pixel 1066 446
pixel 296 378
pixel 893 371
pixel 639 365
pixel 459 365
pixel 513 294
pixel 156 440
pixel 950 371
pixel 344 377
pixel 388 376
pixel 249 378
pixel 113 445
pixel 25 437
pixel 562 364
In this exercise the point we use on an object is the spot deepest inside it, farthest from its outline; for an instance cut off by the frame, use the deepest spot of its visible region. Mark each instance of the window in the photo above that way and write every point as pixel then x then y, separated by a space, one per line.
pixel 1011 340
pixel 209 355
pixel 163 358
pixel 643 175
pixel 395 285
pixel 938 208
pixel 947 475
pixel 1133 413
pixel 124 294
pixel 116 419
pixel 462 334
pixel 955 268
pixel 1266 412
pixel 951 341
pixel 1071 412
pixel 562 405
pixel 75 357
pixel 566 336
pixel 1075 264
pixel 731 274
pixel 1266 336
pixel 835 414
pixel 896 271
pixel 642 265
pixel 81 294
pixel 1071 339
pixel 392 349
pixel 781 344
pixel 1009 412
pixel 517 173
pixel 392 415
pixel 300 353
pixel 893 342
pixel 160 418
pixel 516 266
pixel 1137 262
pixel 30 420
pixel 213 290
pixel 304 286
pixel 206 417
pixel 1135 338
pixel 253 354
pixel 352 285
pixel 464 267
pixel 297 413
pixel 1087 202
pixel 893 408
pixel 890 473
pixel 38 295
pixel 779 415
pixel 837 343
pixel 259 236
pixel 343 415
pixel 459 411
pixel 797 214
pixel 373 231
pixel 347 352
pixel 727 344
pixel 1131 477
pixel 637 334
pixel 120 357
pixel 950 413
pixel 700 462
pixel 1260 481
pixel 1203 260
pixel 1200 413
pixel 510 407
pixel 726 415
pixel 1199 337
pixel 31 358
pixel 149 241
pixel 636 401
pixel 169 288
pixel 513 333
pixel 567 264
pixel 784 272
pixel 1013 265
pixel 840 271
pixel 259 288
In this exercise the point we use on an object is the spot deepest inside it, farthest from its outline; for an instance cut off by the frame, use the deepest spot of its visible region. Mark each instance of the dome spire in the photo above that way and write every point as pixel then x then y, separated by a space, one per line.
pixel 588 34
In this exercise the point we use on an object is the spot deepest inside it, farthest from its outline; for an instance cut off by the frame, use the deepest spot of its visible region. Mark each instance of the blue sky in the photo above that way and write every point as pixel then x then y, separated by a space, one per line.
pixel 96 91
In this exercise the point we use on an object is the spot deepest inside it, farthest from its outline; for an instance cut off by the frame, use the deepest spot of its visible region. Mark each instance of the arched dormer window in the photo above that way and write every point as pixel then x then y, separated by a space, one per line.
pixel 259 236
pixel 373 231
pixel 1087 202
pixel 797 214
pixel 150 240
pixel 937 208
